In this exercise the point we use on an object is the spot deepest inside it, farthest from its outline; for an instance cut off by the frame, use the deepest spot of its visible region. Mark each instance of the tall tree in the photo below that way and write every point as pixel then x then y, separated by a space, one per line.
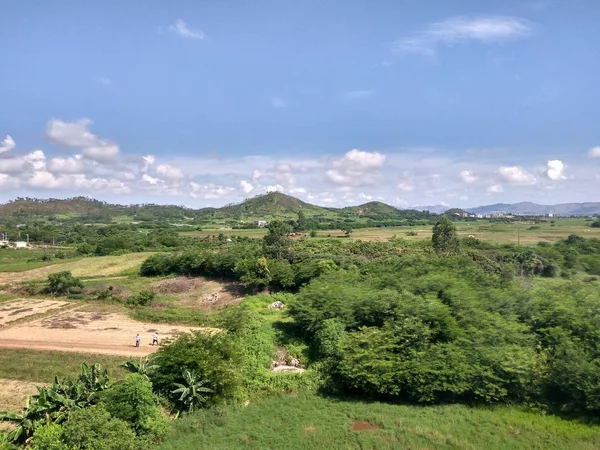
pixel 445 241
pixel 277 242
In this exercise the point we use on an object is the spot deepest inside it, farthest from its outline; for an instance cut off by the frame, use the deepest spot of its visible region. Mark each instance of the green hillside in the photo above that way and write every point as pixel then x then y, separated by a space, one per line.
pixel 271 206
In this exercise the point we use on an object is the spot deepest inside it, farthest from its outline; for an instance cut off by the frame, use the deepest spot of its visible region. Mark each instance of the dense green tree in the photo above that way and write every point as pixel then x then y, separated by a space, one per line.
pixel 445 241
pixel 277 242
pixel 61 283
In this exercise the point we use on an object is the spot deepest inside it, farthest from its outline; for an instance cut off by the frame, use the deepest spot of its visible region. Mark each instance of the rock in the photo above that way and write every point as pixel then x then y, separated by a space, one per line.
pixel 276 305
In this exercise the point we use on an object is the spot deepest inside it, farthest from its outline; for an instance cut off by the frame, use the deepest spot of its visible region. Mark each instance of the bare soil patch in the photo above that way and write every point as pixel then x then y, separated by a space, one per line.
pixel 18 309
pixel 88 332
pixel 13 394
pixel 363 425
pixel 201 294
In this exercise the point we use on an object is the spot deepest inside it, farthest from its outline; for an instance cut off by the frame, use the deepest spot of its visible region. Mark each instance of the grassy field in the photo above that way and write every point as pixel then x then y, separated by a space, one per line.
pixel 525 232
pixel 307 421
pixel 101 266
pixel 42 366
pixel 19 260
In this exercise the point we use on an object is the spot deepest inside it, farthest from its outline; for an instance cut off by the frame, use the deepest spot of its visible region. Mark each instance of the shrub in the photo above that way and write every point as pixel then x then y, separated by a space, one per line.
pixel 94 429
pixel 61 283
pixel 133 401
pixel 48 437
pixel 213 357
pixel 144 298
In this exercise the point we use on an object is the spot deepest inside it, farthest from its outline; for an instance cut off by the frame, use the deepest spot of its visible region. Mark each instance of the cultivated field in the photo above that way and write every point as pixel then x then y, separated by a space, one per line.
pixel 87 332
pixel 525 232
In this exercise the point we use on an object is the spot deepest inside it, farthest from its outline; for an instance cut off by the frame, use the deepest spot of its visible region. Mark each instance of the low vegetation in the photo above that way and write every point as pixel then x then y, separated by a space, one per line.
pixel 453 342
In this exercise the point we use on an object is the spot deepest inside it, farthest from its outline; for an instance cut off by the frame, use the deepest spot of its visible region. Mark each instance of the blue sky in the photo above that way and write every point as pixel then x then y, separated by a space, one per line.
pixel 208 102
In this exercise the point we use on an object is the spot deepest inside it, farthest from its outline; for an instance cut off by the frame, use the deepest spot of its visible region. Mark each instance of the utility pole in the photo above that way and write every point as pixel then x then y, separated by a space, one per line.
pixel 518 236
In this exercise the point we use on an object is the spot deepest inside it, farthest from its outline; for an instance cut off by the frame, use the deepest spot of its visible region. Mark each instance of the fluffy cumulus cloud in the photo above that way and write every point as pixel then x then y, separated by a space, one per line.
pixel 467 177
pixel 356 168
pixel 77 135
pixel 7 144
pixel 555 170
pixel 594 152
pixel 73 165
pixel 246 186
pixel 516 175
pixel 419 176
pixel 169 172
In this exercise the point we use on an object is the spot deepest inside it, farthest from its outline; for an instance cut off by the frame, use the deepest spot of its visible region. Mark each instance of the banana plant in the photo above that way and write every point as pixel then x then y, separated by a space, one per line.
pixel 191 390
pixel 144 367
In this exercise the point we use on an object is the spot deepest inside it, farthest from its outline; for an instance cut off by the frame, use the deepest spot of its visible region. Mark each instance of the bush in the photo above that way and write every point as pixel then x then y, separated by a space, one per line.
pixel 94 429
pixel 144 298
pixel 61 283
pixel 133 401
pixel 48 437
pixel 213 357
pixel 595 224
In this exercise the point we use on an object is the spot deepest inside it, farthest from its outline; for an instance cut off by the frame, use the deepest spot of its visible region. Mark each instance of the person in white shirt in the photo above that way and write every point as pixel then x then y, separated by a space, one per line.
pixel 155 338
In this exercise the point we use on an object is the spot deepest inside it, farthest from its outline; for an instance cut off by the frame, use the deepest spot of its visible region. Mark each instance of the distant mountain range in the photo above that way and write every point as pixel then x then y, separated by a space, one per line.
pixel 524 208
pixel 270 206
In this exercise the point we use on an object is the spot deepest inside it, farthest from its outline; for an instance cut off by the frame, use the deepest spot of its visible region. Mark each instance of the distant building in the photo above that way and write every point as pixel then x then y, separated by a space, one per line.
pixel 261 223
pixel 21 244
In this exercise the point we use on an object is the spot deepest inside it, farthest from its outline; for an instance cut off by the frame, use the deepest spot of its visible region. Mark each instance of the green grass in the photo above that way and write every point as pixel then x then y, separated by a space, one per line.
pixel 20 260
pixel 307 421
pixel 43 366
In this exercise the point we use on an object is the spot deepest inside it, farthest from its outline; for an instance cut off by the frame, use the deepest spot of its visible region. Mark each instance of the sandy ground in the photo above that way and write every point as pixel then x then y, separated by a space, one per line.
pixel 17 309
pixel 87 332
pixel 13 394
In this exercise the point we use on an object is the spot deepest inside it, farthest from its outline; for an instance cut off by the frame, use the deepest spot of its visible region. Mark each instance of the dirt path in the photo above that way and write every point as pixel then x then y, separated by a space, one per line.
pixel 88 332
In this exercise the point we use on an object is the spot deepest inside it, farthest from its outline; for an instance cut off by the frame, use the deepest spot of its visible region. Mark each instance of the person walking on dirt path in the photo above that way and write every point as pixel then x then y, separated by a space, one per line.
pixel 138 339
pixel 155 338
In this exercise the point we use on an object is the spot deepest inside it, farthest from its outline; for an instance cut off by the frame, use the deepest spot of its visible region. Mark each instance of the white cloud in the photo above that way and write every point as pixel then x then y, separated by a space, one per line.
pixel 7 144
pixel 7 182
pixel 495 188
pixel 467 177
pixel 12 165
pixel 356 168
pixel 516 175
pixel 594 152
pixel 489 29
pixel 364 196
pixel 149 161
pixel 406 187
pixel 36 159
pixel 182 29
pixel 43 179
pixel 77 135
pixel 246 186
pixel 256 175
pixel 66 165
pixel 275 188
pixel 151 180
pixel 555 170
pixel 298 191
pixel 169 172
pixel 354 95
pixel 209 190
pixel 278 102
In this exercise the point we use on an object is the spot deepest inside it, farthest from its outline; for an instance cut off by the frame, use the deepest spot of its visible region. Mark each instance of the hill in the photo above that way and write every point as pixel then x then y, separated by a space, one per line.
pixel 268 206
pixel 524 208
pixel 273 205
